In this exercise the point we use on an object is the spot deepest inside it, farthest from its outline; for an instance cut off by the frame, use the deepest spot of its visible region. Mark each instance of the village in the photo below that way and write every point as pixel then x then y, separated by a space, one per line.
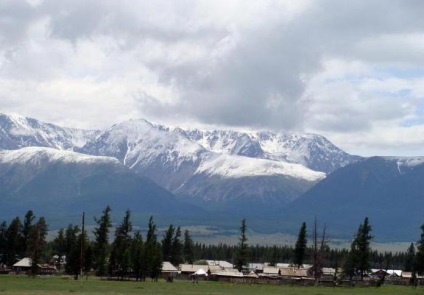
pixel 253 273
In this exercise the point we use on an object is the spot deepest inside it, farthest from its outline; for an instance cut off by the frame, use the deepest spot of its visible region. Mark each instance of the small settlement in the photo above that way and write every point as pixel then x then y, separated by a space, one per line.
pixel 261 273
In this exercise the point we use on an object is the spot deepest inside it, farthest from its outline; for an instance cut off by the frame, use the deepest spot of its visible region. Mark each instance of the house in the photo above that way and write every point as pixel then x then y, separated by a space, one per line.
pixel 293 272
pixel 46 269
pixel 328 271
pixel 257 267
pixel 389 273
pixel 190 269
pixel 229 273
pixel 23 265
pixel 168 271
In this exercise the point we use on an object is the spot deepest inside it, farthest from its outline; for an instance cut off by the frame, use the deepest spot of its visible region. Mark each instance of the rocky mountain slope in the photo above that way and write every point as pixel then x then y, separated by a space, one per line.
pixel 54 182
pixel 310 150
pixel 202 175
pixel 387 190
pixel 218 169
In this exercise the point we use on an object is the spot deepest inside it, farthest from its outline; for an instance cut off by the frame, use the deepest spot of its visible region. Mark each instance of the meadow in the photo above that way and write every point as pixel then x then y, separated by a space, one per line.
pixel 17 285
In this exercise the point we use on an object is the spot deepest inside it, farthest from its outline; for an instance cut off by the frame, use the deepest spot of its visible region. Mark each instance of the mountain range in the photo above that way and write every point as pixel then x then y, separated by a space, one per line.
pixel 278 179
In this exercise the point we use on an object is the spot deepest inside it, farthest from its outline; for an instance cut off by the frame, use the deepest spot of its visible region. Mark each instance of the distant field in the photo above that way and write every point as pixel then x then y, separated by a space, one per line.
pixel 17 285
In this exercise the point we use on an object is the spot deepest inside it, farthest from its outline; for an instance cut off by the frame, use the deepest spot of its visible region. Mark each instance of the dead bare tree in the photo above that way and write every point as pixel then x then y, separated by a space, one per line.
pixel 319 246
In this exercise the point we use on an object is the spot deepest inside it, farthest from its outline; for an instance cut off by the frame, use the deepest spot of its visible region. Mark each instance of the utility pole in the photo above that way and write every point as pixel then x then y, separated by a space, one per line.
pixel 82 246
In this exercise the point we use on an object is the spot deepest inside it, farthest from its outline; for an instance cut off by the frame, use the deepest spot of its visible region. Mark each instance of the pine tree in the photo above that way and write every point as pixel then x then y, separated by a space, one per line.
pixel 26 231
pixel 188 247
pixel 101 243
pixel 300 247
pixel 167 243
pixel 120 254
pixel 137 249
pixel 88 255
pixel 409 259
pixel 59 247
pixel 36 243
pixel 419 257
pixel 3 242
pixel 73 250
pixel 153 252
pixel 242 250
pixel 364 238
pixel 14 242
pixel 359 255
pixel 273 260
pixel 176 248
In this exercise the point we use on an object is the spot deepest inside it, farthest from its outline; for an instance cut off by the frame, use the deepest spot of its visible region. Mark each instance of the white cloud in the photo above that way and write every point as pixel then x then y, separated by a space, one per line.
pixel 349 70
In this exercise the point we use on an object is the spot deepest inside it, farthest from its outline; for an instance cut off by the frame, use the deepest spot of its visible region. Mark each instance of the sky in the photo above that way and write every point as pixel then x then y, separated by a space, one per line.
pixel 352 71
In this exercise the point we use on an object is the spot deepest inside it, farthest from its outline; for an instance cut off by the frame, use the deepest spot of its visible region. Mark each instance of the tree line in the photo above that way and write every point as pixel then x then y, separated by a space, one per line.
pixel 129 253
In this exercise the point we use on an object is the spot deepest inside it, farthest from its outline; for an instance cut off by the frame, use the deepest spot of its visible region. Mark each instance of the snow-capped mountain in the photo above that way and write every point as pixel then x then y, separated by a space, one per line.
pixel 183 165
pixel 18 132
pixel 167 158
pixel 310 150
pixel 217 167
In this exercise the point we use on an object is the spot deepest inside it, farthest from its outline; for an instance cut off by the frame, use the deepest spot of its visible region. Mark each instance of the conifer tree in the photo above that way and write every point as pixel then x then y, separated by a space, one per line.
pixel 26 231
pixel 101 243
pixel 242 249
pixel 14 242
pixel 300 247
pixel 120 254
pixel 153 252
pixel 37 241
pixel 177 247
pixel 3 242
pixel 167 243
pixel 59 247
pixel 188 248
pixel 409 259
pixel 419 257
pixel 137 259
pixel 359 255
pixel 73 250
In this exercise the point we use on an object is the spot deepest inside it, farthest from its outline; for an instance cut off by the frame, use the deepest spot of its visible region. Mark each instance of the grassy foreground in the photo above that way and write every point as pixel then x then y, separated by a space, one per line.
pixel 54 285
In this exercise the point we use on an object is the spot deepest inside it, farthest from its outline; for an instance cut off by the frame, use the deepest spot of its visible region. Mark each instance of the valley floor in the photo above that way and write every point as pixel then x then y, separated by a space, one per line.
pixel 17 285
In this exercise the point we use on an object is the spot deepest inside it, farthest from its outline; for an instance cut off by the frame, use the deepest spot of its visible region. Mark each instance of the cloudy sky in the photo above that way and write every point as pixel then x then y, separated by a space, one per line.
pixel 350 70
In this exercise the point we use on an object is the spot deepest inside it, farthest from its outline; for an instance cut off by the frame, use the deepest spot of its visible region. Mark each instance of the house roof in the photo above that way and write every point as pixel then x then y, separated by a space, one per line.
pixel 257 266
pixel 280 265
pixel 229 273
pixel 390 272
pixel 328 271
pixel 221 263
pixel 271 270
pixel 191 268
pixel 168 267
pixel 293 272
pixel 24 262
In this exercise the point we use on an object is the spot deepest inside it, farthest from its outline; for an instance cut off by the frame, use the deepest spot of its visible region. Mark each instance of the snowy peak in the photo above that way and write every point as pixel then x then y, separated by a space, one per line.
pixel 49 155
pixel 140 136
pixel 233 166
pixel 18 132
pixel 310 150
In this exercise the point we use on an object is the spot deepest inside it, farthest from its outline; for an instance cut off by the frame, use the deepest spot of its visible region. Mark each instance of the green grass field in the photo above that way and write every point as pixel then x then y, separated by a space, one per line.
pixel 55 285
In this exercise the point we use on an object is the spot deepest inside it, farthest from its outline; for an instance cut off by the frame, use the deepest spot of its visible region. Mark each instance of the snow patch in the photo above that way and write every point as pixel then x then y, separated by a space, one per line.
pixel 229 166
